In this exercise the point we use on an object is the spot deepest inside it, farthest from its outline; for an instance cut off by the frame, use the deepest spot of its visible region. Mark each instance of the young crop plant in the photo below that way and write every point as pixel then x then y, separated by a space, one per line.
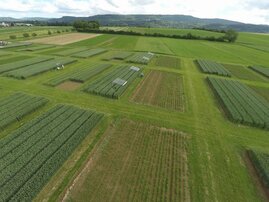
pixel 113 84
pixel 32 154
pixel 242 104
pixel 213 68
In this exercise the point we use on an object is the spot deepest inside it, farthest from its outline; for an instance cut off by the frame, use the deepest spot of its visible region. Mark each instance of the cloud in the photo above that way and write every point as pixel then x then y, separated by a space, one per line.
pixel 248 11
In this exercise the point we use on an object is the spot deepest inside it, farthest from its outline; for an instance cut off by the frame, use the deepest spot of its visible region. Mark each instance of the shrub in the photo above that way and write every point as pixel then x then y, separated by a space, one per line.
pixel 58 31
pixel 25 35
pixel 12 36
pixel 34 34
pixel 49 32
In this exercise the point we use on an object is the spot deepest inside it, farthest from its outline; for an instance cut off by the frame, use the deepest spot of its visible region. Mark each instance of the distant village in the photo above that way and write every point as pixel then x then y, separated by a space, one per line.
pixel 12 24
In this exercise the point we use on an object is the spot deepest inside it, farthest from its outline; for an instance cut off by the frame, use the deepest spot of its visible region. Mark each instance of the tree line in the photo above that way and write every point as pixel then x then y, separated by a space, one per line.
pixel 94 27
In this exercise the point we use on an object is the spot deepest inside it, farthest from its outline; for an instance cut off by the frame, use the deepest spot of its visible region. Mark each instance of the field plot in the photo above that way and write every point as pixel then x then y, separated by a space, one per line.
pixel 213 68
pixel 39 68
pixel 262 70
pixel 67 52
pixel 241 103
pixel 261 164
pixel 23 63
pixel 141 58
pixel 119 56
pixel 69 85
pixel 166 61
pixel 15 107
pixel 161 89
pixel 64 39
pixel 242 72
pixel 37 47
pixel 140 162
pixel 79 75
pixel 89 53
pixel 262 91
pixel 15 44
pixel 2 53
pixel 12 58
pixel 114 83
pixel 32 154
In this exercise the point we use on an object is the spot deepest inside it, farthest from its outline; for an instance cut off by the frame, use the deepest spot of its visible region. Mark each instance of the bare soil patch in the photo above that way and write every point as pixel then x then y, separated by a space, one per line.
pixel 64 39
pixel 69 85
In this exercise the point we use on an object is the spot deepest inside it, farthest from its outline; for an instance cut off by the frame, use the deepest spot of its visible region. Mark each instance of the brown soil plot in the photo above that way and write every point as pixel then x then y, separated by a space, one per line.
pixel 69 85
pixel 64 38
pixel 161 89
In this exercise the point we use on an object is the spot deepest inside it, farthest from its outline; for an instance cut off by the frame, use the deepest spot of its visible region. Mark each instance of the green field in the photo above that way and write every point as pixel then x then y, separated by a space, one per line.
pixel 167 137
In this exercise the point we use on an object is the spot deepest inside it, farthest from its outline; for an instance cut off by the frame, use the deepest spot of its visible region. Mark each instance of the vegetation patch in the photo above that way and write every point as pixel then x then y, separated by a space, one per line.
pixel 114 83
pixel 81 74
pixel 89 53
pixel 37 47
pixel 210 67
pixel 262 70
pixel 71 51
pixel 34 152
pixel 35 69
pixel 241 103
pixel 161 89
pixel 166 61
pixel 141 58
pixel 15 107
pixel 138 162
pixel 242 72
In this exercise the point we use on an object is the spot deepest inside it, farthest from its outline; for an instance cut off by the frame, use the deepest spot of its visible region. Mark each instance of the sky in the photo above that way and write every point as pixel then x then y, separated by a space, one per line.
pixel 247 11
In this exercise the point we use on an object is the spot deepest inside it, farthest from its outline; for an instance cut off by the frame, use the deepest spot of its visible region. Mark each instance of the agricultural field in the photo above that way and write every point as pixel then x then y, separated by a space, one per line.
pixel 141 58
pixel 161 89
pixel 82 74
pixel 13 108
pixel 138 155
pixel 39 148
pixel 241 103
pixel 89 53
pixel 35 69
pixel 167 61
pixel 262 70
pixel 210 67
pixel 114 83
pixel 173 134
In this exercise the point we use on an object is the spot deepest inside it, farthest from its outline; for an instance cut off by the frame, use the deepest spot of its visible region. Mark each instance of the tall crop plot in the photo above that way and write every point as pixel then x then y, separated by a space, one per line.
pixel 119 56
pixel 114 83
pixel 70 51
pixel 89 53
pixel 39 68
pixel 15 107
pixel 213 68
pixel 166 61
pixel 79 75
pixel 22 63
pixel 241 103
pixel 261 164
pixel 32 154
pixel 141 58
pixel 161 89
pixel 140 162
pixel 261 70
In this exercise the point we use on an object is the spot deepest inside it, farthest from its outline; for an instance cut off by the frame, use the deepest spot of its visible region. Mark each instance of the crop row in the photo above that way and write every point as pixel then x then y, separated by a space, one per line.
pixel 213 68
pixel 261 70
pixel 89 53
pixel 261 163
pixel 114 83
pixel 22 63
pixel 241 103
pixel 141 58
pixel 39 68
pixel 39 149
pixel 79 75
pixel 15 107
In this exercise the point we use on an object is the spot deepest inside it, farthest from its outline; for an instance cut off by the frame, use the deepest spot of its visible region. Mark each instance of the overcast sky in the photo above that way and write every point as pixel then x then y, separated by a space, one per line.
pixel 248 11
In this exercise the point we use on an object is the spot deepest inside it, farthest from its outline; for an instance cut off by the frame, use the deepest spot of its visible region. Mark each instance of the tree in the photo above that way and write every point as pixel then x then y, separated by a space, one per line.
pixel 231 35
pixel 83 25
